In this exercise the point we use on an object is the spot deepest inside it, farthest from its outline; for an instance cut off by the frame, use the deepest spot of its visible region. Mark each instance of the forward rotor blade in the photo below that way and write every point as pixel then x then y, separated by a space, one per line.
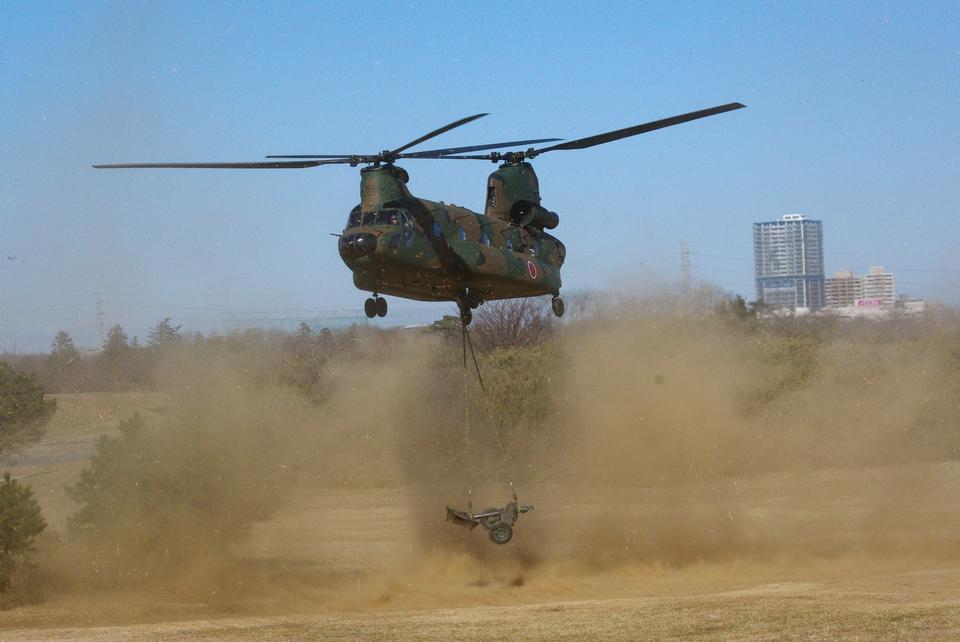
pixel 599 139
pixel 430 153
pixel 434 153
pixel 437 132
pixel 259 165
pixel 313 156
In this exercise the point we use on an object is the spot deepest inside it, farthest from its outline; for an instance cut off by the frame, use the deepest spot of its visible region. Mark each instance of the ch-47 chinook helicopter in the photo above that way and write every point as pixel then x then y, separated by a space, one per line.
pixel 401 245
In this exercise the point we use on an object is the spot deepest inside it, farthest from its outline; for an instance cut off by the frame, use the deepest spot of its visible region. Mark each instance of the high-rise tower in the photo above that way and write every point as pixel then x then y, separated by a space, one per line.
pixel 788 262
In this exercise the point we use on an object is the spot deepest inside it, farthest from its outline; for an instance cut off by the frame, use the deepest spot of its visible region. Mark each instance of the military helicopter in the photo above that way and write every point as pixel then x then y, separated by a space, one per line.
pixel 400 245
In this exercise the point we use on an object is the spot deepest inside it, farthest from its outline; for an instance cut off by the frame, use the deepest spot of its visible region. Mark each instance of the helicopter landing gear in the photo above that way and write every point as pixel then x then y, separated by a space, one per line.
pixel 558 306
pixel 375 306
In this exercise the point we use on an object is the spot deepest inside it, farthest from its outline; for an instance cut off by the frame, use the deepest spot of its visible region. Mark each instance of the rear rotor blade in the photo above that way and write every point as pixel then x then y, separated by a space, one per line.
pixel 437 132
pixel 599 139
pixel 258 165
pixel 434 153
pixel 487 157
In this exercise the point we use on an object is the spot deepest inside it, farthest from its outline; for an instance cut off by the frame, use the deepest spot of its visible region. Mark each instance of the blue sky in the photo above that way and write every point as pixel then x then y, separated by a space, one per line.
pixel 851 119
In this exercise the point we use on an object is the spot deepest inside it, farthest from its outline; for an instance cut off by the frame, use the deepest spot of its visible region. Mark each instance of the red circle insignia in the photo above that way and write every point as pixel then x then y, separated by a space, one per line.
pixel 532 269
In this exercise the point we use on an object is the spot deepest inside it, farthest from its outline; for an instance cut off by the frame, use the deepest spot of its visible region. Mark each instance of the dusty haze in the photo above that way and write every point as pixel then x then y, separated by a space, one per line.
pixel 674 450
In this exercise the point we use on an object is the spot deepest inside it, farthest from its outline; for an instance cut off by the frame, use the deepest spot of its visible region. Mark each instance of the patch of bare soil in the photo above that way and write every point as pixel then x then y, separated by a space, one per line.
pixel 822 554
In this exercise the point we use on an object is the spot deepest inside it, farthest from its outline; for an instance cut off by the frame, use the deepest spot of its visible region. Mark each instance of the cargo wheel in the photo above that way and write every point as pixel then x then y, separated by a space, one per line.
pixel 501 533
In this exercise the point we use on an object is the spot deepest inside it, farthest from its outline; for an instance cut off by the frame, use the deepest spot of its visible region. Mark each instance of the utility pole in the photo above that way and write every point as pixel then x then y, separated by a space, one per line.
pixel 100 314
pixel 685 265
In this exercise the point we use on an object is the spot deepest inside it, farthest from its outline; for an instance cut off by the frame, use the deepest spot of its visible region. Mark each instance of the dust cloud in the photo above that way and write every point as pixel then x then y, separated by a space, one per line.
pixel 669 449
pixel 678 441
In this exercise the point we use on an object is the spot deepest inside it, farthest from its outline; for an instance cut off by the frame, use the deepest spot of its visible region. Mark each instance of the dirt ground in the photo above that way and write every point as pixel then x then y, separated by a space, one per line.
pixel 859 553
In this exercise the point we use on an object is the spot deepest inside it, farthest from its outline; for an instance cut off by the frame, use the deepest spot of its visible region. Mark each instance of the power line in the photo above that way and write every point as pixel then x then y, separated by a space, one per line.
pixel 891 269
pixel 685 263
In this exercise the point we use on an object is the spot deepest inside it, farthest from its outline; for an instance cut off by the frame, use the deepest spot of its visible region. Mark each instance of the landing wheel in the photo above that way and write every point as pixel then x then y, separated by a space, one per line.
pixel 370 308
pixel 381 307
pixel 501 533
pixel 558 306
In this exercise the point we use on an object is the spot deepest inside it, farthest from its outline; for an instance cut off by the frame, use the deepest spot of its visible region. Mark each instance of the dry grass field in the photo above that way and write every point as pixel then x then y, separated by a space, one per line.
pixel 855 553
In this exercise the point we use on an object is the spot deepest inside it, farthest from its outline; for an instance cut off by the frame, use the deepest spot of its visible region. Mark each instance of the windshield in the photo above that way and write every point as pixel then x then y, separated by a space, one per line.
pixel 388 216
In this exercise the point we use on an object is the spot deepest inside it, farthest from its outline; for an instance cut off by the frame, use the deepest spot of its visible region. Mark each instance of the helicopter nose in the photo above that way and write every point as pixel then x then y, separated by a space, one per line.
pixel 365 243
pixel 358 244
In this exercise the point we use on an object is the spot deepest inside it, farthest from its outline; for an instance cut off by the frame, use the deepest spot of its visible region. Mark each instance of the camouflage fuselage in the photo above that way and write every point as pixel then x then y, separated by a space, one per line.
pixel 409 247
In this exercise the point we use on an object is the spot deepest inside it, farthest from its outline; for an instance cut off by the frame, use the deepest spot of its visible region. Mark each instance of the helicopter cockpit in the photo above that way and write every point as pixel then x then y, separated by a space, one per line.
pixel 384 216
pixel 393 223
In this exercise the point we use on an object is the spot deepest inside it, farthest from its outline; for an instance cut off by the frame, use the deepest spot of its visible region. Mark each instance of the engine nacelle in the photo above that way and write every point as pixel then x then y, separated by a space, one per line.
pixel 525 213
pixel 513 194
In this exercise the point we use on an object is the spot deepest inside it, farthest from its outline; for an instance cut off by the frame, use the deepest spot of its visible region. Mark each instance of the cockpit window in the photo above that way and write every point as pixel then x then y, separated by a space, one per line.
pixel 388 216
pixel 354 219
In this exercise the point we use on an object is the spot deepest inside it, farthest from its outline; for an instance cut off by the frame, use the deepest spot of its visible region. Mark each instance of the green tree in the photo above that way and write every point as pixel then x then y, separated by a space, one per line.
pixel 735 309
pixel 115 359
pixel 64 367
pixel 519 399
pixel 20 523
pixel 23 409
pixel 306 366
pixel 154 498
pixel 447 326
pixel 23 413
pixel 116 344
pixel 163 334
pixel 63 354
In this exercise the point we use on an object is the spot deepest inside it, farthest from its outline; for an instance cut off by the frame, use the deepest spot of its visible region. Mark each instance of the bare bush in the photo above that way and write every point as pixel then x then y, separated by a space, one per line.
pixel 512 323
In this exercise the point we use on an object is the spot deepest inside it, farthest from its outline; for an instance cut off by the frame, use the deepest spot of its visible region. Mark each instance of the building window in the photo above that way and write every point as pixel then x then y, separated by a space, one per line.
pixel 461 234
pixel 437 232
